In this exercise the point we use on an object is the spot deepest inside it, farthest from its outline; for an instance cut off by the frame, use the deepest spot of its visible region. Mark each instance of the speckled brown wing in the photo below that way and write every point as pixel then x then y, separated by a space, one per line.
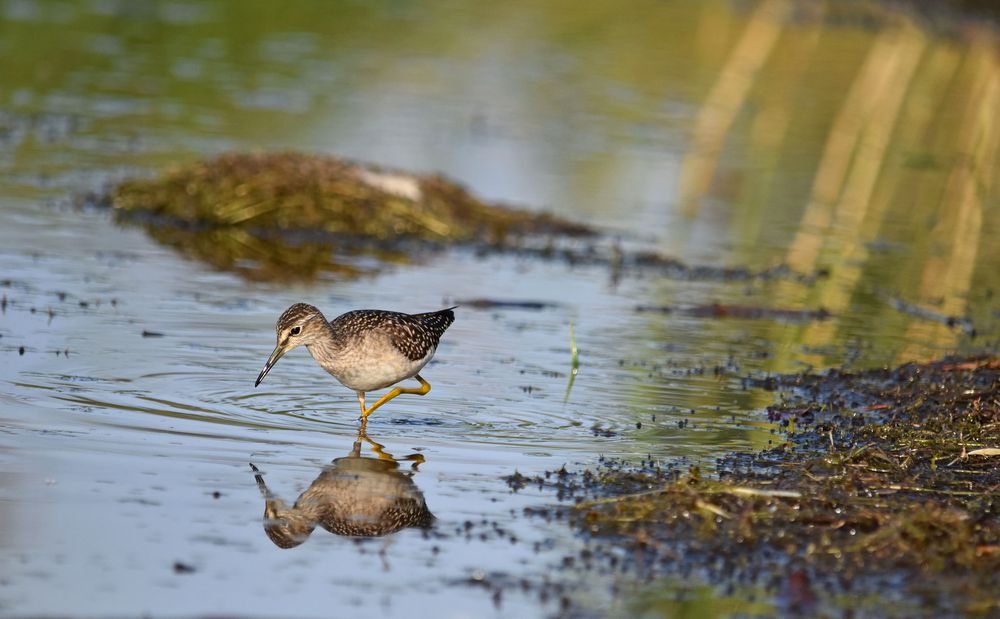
pixel 418 333
pixel 411 334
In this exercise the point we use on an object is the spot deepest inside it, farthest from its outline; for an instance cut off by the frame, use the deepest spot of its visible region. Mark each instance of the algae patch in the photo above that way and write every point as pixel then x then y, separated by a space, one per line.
pixel 296 191
pixel 295 216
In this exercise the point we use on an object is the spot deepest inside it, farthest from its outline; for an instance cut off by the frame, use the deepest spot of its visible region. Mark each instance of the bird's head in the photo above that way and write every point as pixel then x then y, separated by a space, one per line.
pixel 300 324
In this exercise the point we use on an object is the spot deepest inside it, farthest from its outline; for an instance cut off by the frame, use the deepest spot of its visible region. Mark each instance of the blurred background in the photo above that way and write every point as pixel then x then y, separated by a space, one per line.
pixel 854 143
pixel 843 136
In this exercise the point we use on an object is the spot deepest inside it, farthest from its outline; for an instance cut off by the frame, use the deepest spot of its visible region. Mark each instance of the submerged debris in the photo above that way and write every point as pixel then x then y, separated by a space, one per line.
pixel 728 310
pixel 488 304
pixel 960 322
pixel 889 484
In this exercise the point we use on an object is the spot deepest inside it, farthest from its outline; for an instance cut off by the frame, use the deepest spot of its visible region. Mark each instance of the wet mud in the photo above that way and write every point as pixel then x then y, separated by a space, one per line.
pixel 886 488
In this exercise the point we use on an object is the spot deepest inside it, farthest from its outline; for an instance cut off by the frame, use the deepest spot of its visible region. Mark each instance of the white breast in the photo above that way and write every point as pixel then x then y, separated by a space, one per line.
pixel 375 364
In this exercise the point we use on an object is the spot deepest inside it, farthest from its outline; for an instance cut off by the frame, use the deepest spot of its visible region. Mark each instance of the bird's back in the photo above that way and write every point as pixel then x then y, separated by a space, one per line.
pixel 413 335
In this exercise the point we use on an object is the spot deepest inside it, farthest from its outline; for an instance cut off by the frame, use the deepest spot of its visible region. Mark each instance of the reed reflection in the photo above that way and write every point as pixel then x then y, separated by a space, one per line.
pixel 354 495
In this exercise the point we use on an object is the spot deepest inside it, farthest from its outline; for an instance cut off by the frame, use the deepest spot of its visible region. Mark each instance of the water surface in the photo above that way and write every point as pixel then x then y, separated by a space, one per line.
pixel 854 142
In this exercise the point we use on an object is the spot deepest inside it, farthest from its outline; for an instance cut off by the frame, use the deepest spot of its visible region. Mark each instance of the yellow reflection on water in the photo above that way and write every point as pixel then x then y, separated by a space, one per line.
pixel 728 96
pixel 893 123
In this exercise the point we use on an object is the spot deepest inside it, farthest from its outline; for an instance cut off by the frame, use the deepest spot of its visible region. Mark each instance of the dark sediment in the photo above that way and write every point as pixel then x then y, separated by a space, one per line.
pixel 888 486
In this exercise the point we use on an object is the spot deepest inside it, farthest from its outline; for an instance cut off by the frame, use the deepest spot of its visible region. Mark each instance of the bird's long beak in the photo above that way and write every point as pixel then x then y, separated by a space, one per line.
pixel 278 351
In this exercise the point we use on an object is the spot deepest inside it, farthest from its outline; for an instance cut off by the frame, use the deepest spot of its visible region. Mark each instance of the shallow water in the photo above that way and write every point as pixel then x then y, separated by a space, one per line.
pixel 124 458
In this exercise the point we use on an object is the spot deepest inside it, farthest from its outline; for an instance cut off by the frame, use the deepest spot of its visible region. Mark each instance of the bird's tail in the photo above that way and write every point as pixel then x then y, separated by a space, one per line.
pixel 440 320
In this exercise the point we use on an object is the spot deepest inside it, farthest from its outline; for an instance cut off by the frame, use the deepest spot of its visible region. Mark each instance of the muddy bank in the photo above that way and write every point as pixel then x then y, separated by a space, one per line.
pixel 885 488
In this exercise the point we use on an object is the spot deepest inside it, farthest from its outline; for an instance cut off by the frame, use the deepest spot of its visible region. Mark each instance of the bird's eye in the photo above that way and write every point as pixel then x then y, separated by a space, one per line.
pixel 295 330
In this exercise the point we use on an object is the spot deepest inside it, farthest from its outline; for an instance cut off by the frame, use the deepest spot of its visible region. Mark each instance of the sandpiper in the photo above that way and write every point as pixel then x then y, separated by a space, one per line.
pixel 364 349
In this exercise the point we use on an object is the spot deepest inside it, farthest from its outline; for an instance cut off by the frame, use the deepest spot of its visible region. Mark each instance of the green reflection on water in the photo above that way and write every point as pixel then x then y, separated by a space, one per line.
pixel 671 598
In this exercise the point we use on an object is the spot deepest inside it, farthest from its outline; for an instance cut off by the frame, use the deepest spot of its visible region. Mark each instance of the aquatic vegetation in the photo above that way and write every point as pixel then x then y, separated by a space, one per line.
pixel 574 362
pixel 290 215
pixel 888 475
pixel 298 191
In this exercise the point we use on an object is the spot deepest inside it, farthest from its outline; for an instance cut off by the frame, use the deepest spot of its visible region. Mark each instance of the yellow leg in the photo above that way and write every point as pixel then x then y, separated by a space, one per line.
pixel 421 390
pixel 378 448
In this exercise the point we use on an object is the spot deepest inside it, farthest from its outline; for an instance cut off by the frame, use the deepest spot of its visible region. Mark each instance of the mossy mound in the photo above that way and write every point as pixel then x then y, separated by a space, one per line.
pixel 290 216
pixel 297 191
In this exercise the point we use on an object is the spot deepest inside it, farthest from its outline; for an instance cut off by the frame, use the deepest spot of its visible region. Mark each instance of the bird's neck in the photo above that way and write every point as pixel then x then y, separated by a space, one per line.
pixel 328 345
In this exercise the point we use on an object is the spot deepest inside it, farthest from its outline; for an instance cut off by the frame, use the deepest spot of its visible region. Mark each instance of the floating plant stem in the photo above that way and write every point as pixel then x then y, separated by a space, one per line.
pixel 575 355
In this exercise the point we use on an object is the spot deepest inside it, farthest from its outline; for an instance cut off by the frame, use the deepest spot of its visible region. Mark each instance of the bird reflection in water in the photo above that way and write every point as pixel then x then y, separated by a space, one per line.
pixel 354 495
